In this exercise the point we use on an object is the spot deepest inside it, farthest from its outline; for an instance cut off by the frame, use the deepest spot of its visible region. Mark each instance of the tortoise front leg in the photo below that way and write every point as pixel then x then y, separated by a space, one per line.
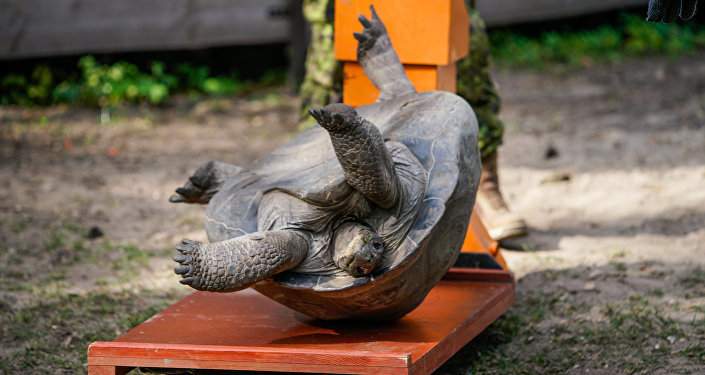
pixel 204 183
pixel 366 162
pixel 379 61
pixel 235 264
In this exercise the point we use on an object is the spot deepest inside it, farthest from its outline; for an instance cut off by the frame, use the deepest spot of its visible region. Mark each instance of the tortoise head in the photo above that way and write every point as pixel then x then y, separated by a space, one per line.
pixel 357 249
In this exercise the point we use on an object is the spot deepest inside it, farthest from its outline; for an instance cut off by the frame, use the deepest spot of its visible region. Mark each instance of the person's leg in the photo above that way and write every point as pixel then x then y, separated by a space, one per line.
pixel 475 85
pixel 323 72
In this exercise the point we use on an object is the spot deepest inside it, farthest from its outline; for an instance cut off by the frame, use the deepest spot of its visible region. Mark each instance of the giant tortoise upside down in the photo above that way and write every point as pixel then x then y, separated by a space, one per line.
pixel 357 217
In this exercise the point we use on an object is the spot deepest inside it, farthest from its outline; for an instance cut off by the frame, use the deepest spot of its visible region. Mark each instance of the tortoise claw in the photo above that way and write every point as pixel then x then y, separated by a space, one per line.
pixel 322 116
pixel 184 249
pixel 330 118
pixel 364 21
pixel 373 29
pixel 374 13
pixel 315 114
pixel 188 264
pixel 205 182
pixel 184 191
pixel 325 115
pixel 182 270
pixel 360 37
pixel 338 118
pixel 176 199
pixel 198 181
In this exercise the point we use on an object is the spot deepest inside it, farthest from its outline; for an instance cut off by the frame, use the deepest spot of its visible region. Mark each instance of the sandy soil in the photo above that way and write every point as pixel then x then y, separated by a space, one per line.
pixel 607 165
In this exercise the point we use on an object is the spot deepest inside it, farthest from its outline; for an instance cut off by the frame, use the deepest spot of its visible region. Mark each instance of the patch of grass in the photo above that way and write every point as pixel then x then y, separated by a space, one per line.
pixel 18 225
pixel 126 256
pixel 56 276
pixel 633 36
pixel 527 247
pixel 619 253
pixel 68 244
pixel 558 332
pixel 78 244
pixel 18 287
pixel 696 352
pixel 485 351
pixel 694 294
pixel 619 266
pixel 71 227
pixel 53 285
pixel 75 321
pixel 57 241
pixel 695 276
pixel 15 274
pixel 15 260
pixel 631 320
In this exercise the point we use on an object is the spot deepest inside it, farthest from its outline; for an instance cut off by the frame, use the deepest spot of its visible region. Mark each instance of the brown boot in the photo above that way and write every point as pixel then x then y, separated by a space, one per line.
pixel 500 222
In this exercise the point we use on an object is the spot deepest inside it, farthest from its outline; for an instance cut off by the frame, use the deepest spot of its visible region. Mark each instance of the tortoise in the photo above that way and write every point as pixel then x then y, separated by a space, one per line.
pixel 357 217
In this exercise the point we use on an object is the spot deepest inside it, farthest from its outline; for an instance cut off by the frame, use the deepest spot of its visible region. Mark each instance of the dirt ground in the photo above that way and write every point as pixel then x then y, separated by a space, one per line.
pixel 606 163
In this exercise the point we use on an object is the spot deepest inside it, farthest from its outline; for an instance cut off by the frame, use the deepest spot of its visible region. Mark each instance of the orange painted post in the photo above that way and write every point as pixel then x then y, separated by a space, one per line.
pixel 359 90
pixel 428 35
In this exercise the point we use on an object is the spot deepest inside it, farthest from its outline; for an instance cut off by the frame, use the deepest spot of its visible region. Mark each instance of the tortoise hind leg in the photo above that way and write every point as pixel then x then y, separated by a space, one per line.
pixel 235 264
pixel 367 164
pixel 379 61
pixel 204 183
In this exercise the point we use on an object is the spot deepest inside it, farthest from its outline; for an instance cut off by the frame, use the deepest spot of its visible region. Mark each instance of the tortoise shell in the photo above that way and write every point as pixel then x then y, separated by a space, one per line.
pixel 440 130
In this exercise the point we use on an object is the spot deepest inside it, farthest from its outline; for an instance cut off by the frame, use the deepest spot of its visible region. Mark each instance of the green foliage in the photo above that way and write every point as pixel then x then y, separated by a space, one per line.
pixel 633 36
pixel 103 85
pixel 25 90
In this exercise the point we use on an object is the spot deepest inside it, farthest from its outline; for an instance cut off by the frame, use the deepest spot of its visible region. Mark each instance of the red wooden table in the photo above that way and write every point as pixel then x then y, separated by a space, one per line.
pixel 247 331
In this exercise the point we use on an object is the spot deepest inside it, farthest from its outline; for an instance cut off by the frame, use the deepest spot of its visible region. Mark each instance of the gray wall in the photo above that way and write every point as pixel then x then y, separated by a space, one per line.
pixel 31 28
pixel 504 12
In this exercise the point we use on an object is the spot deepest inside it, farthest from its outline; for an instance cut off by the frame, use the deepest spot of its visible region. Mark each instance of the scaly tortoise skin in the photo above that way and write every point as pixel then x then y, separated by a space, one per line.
pixel 355 218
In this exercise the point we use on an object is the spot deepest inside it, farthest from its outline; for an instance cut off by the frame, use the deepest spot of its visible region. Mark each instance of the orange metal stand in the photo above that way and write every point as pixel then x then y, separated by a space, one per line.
pixel 247 331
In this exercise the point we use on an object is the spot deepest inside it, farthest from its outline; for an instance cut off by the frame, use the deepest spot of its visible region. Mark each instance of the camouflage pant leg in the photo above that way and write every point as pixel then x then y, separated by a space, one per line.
pixel 323 72
pixel 475 85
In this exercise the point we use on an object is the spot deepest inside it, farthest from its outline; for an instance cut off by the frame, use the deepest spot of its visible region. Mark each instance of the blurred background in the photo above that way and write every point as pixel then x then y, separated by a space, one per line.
pixel 99 53
pixel 107 107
